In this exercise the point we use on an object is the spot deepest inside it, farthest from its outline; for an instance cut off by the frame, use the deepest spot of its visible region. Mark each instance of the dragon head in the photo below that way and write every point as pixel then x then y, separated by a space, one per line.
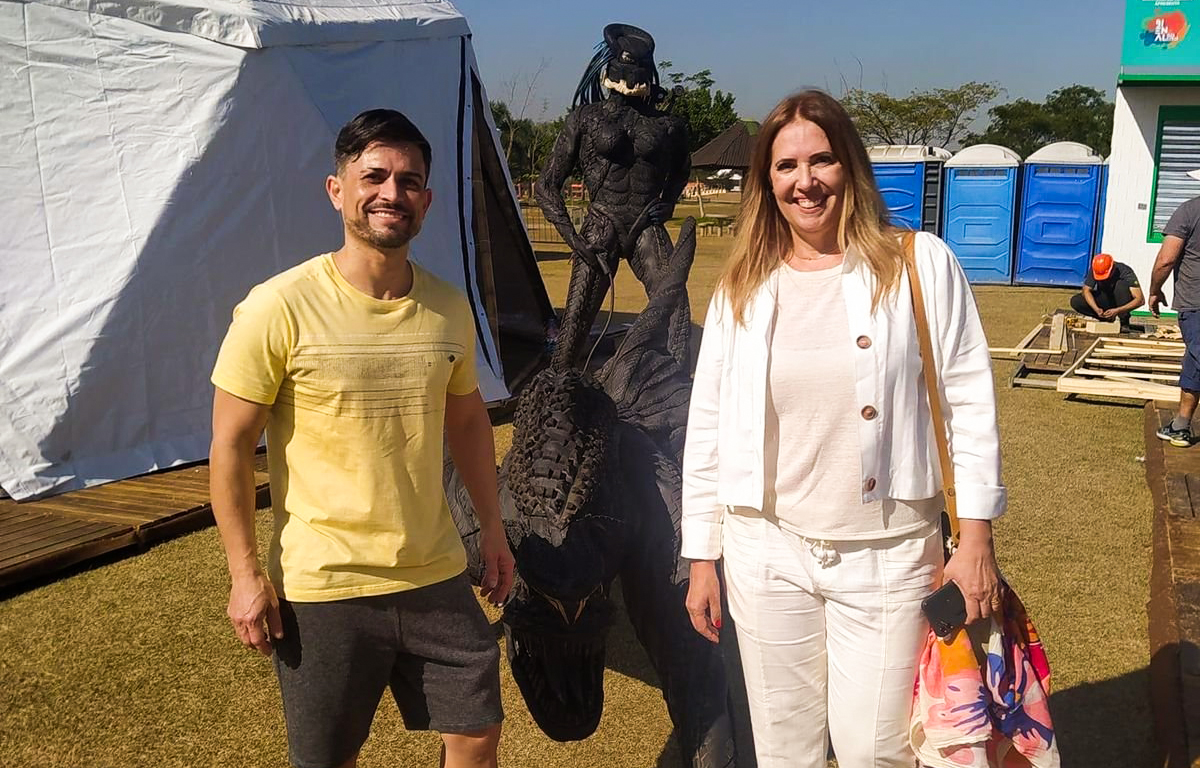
pixel 568 536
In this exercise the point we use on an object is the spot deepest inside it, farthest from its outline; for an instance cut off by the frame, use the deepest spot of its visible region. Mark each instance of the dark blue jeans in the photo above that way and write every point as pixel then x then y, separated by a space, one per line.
pixel 1189 326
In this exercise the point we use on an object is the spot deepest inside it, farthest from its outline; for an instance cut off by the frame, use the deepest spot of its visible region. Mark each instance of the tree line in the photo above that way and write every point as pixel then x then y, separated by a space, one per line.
pixel 937 116
pixel 942 117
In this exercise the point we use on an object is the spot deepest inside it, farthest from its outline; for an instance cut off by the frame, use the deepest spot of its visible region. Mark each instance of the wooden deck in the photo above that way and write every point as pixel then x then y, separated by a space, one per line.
pixel 1173 475
pixel 39 538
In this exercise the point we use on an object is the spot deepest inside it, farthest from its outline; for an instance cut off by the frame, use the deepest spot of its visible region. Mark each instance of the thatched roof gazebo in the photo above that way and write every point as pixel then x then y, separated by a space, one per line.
pixel 730 149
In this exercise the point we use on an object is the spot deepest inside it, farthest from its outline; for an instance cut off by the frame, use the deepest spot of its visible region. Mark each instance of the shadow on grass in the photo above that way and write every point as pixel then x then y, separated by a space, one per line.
pixel 542 255
pixel 625 655
pixel 1110 401
pixel 1106 723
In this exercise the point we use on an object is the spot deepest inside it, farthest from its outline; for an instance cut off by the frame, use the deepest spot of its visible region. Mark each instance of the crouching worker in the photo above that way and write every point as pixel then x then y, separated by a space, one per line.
pixel 1110 290
pixel 355 362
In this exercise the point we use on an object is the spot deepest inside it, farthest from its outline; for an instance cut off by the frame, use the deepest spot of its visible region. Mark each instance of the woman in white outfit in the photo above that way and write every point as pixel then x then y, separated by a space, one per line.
pixel 810 465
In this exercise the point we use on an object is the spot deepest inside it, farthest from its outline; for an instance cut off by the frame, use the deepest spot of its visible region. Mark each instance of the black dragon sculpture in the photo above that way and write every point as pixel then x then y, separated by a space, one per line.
pixel 590 494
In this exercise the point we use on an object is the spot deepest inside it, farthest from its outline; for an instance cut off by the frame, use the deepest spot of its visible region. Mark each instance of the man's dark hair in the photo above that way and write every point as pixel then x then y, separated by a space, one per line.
pixel 386 126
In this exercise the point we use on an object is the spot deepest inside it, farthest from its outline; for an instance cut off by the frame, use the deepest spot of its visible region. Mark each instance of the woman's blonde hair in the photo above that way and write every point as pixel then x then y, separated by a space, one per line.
pixel 763 237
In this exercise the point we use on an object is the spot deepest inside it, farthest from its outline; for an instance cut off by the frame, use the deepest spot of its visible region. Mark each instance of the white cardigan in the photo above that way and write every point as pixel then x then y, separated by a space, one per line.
pixel 723 462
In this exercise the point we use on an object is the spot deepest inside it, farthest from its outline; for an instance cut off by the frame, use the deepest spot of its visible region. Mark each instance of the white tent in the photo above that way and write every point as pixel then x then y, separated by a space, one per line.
pixel 160 157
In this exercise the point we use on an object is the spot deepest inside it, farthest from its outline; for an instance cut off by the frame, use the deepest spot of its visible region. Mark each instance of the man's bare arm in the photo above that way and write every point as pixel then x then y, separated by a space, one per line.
pixel 253 606
pixel 469 438
pixel 1169 254
pixel 1137 299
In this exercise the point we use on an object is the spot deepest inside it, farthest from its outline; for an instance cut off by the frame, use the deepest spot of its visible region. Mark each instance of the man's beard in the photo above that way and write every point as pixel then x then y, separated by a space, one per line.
pixel 390 238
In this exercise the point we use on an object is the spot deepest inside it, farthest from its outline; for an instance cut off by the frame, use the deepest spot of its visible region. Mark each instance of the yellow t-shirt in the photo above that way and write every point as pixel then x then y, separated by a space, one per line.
pixel 357 388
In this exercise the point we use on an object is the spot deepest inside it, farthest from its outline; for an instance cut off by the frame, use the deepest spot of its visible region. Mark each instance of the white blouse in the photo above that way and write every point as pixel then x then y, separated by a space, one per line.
pixel 812 455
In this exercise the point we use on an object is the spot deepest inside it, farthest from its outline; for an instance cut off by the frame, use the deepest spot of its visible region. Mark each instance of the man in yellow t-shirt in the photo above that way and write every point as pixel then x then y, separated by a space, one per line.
pixel 355 362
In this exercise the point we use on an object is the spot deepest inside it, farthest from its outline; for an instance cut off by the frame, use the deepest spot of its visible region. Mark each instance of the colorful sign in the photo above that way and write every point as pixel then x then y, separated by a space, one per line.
pixel 1160 43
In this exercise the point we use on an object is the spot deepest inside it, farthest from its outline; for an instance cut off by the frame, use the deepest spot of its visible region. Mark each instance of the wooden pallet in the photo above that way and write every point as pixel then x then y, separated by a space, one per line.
pixel 1134 367
pixel 1053 343
pixel 42 537
pixel 1040 365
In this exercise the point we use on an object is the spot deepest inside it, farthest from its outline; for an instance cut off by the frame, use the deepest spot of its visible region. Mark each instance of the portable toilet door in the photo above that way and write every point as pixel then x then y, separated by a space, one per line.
pixel 1060 189
pixel 910 179
pixel 979 216
pixel 1100 205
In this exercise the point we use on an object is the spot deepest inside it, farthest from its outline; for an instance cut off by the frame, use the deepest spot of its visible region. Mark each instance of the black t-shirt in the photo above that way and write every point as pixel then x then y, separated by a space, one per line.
pixel 1121 275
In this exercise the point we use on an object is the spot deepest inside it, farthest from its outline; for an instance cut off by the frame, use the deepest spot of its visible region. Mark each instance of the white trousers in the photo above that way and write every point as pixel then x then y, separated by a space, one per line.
pixel 830 635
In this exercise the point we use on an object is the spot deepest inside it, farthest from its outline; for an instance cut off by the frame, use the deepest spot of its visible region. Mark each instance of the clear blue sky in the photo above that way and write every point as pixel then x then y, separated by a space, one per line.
pixel 760 50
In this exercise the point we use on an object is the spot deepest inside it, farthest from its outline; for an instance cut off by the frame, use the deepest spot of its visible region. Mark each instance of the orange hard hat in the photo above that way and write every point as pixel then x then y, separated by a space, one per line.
pixel 1102 265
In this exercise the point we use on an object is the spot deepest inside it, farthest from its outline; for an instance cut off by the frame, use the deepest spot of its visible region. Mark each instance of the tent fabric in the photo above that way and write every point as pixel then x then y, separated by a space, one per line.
pixel 267 23
pixel 154 177
pixel 730 149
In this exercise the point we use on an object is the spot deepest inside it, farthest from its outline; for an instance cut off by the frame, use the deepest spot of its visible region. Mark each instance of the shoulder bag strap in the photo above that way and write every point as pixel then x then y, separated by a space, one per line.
pixel 932 388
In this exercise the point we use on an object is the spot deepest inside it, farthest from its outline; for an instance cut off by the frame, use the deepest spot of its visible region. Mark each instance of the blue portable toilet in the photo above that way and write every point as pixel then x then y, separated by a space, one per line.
pixel 910 179
pixel 979 215
pixel 1100 205
pixel 1060 187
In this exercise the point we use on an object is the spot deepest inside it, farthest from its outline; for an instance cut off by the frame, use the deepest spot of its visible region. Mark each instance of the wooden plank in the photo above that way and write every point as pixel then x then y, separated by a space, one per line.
pixel 1009 351
pixel 53 530
pixel 66 539
pixel 1128 341
pixel 1028 350
pixel 1129 388
pixel 165 486
pixel 1128 352
pixel 1013 351
pixel 1103 327
pixel 1143 346
pixel 16 530
pixel 1137 364
pixel 1179 496
pixel 52 562
pixel 1160 391
pixel 50 529
pixel 1058 331
pixel 112 517
pixel 152 497
pixel 1128 374
pixel 17 520
pixel 72 504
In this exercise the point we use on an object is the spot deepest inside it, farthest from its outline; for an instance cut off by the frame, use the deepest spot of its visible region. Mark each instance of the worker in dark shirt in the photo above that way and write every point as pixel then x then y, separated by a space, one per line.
pixel 1110 290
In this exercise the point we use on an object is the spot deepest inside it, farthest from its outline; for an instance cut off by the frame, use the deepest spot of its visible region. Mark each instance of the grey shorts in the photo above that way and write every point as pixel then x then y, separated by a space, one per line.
pixel 432 645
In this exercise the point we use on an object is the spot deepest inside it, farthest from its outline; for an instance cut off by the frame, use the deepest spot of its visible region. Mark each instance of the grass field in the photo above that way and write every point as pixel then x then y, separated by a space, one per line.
pixel 132 663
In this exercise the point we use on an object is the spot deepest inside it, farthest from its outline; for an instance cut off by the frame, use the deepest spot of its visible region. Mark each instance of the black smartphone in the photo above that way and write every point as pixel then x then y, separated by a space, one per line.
pixel 945 609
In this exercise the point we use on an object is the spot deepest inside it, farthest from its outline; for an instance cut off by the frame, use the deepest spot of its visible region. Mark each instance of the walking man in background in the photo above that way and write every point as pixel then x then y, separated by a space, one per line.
pixel 1110 290
pixel 1179 256
pixel 355 362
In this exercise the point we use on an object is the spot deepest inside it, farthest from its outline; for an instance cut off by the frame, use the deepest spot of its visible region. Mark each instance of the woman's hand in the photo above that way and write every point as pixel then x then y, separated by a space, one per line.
pixel 973 568
pixel 704 599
